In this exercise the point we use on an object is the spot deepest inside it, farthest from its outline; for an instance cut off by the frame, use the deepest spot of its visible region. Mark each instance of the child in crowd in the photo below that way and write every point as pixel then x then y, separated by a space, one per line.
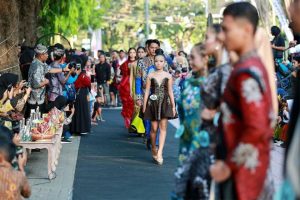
pixel 92 97
pixel 97 113
pixel 61 104
pixel 13 184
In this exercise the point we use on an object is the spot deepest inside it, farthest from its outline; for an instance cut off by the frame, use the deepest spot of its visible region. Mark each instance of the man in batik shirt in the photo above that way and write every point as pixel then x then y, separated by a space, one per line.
pixel 242 165
pixel 144 67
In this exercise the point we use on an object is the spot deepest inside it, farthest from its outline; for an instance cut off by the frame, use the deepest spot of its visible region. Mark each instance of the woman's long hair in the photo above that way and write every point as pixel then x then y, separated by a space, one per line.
pixel 264 51
pixel 131 48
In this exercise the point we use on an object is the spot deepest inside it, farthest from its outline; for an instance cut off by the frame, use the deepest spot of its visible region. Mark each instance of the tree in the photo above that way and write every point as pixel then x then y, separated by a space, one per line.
pixel 70 16
pixel 178 21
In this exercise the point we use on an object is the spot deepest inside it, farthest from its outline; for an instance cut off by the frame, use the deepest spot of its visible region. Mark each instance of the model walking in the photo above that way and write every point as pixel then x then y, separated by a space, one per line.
pixel 159 105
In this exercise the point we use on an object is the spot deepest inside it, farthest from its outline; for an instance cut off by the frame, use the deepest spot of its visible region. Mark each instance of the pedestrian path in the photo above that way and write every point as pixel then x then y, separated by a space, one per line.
pixel 112 165
pixel 60 188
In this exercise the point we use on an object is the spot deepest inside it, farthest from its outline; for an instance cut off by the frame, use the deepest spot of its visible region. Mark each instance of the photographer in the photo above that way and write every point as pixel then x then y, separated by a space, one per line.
pixel 58 80
pixel 81 122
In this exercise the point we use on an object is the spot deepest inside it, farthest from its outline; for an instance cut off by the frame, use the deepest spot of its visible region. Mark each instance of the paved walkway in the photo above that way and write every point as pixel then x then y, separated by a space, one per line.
pixel 60 188
pixel 112 164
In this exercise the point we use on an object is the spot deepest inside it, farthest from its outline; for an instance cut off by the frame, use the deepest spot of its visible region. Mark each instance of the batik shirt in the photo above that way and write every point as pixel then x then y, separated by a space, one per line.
pixel 141 76
pixel 247 122
pixel 56 83
pixel 36 76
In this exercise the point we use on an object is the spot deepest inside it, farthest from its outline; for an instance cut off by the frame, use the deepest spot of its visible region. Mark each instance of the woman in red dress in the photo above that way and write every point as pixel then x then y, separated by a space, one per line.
pixel 124 87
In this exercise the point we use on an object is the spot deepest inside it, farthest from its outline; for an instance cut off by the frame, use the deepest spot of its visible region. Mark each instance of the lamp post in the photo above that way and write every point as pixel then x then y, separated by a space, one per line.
pixel 147 18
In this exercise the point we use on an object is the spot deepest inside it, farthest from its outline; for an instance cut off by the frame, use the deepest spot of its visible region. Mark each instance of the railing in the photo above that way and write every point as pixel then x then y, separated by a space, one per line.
pixel 13 69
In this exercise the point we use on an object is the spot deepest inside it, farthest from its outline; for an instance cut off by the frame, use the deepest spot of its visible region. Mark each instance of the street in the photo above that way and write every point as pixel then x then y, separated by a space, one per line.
pixel 112 164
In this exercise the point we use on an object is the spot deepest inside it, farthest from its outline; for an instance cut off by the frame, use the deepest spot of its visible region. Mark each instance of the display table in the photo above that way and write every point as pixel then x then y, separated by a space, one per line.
pixel 53 147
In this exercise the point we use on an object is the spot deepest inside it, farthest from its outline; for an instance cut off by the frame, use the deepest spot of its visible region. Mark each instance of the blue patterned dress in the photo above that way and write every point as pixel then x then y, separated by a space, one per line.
pixel 191 181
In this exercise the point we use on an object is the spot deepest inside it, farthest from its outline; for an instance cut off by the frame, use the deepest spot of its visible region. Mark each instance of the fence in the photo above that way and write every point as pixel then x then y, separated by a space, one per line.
pixel 14 69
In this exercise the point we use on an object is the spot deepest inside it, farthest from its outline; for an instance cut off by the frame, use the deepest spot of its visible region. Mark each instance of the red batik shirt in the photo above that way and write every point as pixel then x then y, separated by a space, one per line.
pixel 247 126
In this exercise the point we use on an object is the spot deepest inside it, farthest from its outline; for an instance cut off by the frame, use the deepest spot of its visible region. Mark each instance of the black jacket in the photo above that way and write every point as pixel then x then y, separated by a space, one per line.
pixel 102 73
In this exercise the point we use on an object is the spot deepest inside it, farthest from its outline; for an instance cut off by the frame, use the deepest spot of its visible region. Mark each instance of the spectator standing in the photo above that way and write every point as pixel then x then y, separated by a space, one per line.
pixel 278 44
pixel 58 80
pixel 103 76
pixel 113 86
pixel 81 122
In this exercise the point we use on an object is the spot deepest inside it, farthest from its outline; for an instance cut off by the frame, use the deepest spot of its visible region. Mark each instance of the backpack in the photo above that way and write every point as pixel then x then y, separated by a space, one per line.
pixel 70 92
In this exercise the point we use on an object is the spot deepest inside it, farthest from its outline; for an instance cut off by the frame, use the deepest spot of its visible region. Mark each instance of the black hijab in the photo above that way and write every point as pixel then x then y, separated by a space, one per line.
pixel 6 80
pixel 60 102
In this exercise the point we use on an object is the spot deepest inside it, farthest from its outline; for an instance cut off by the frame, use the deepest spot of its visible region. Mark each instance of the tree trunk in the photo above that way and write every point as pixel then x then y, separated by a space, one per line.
pixel 9 16
pixel 28 14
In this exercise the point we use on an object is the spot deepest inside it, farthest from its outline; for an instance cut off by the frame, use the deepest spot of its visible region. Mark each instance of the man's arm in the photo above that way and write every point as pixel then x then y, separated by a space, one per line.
pixel 108 72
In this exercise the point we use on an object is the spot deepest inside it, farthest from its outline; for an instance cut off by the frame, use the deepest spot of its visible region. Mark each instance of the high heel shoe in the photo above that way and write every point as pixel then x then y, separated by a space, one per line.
pixel 154 155
pixel 160 160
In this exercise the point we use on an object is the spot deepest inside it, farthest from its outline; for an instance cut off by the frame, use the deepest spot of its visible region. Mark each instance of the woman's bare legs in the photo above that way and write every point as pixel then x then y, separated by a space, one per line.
pixel 153 132
pixel 113 99
pixel 162 137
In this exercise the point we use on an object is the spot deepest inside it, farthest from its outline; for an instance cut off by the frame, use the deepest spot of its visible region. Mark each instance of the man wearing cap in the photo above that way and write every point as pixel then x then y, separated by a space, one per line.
pixel 37 81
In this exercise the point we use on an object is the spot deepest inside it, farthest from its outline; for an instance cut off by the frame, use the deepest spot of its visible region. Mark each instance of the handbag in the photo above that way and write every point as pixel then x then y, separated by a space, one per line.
pixel 137 124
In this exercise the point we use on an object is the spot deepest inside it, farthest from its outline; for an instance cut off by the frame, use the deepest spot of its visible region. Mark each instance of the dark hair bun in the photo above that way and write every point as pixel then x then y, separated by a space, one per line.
pixel 159 52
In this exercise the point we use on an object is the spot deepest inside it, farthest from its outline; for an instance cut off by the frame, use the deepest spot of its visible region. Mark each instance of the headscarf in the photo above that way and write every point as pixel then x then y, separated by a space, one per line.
pixel 264 51
pixel 6 80
pixel 60 102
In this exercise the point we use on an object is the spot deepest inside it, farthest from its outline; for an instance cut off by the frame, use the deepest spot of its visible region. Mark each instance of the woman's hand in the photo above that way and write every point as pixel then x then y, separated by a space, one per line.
pixel 144 108
pixel 208 114
pixel 174 111
pixel 72 110
pixel 28 91
pixel 11 93
pixel 16 139
pixel 219 171
pixel 139 102
pixel 21 84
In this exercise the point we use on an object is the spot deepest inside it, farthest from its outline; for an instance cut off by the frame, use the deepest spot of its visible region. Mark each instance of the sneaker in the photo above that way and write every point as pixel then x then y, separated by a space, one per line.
pixel 66 140
pixel 85 133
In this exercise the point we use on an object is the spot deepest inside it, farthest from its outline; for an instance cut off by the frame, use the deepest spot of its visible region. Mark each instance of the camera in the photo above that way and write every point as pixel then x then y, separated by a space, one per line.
pixel 25 85
pixel 74 65
pixel 78 66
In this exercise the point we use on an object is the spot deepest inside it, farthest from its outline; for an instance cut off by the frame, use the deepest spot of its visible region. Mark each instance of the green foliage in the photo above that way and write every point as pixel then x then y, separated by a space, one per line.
pixel 125 18
pixel 123 21
pixel 70 16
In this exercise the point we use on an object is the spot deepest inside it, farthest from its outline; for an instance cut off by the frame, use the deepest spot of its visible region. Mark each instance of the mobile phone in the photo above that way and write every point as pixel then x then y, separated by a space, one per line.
pixel 9 87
